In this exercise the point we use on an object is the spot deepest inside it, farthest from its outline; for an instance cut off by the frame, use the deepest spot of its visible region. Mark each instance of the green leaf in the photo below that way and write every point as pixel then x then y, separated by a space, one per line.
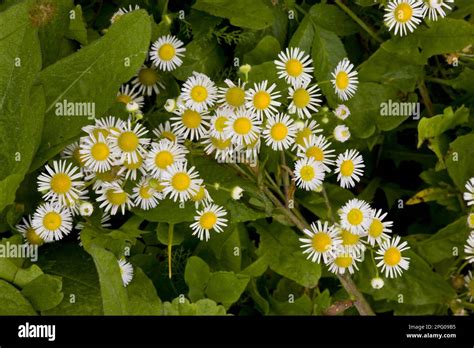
pixel 281 248
pixel 44 292
pixel 300 306
pixel 196 275
pixel 303 36
pixel 226 287
pixel 266 50
pixel 12 301
pixel 143 299
pixel 169 211
pixel 459 161
pixel 251 14
pixel 184 307
pixel 326 16
pixel 441 245
pixel 92 75
pixel 77 27
pixel 114 294
pixel 21 107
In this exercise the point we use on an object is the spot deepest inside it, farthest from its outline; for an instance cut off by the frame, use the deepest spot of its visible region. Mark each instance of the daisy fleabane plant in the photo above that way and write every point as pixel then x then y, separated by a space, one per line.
pixel 345 80
pixel 294 66
pixel 167 52
pixel 435 8
pixel 403 15
pixel 210 218
pixel 390 257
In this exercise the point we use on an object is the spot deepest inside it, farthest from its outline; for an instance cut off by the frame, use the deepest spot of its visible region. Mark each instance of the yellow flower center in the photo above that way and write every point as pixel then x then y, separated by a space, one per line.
pixel 145 192
pixel 376 228
pixel 124 99
pixel 131 165
pixel 116 197
pixel 321 242
pixel 235 96
pixel 199 196
pixel 163 159
pixel 76 156
pixel 107 176
pixel 181 181
pixel 191 118
pixel 347 168
pixel 403 13
pixel 32 237
pixel 61 183
pixel 242 125
pixel 279 131
pixel 166 52
pixel 128 141
pixel 168 135
pixel 301 98
pixel 148 77
pixel 471 288
pixel 343 261
pixel 315 152
pixel 220 123
pixel 303 134
pixel 261 100
pixel 294 67
pixel 392 256
pixel 220 144
pixel 208 220
pixel 355 217
pixel 52 221
pixel 100 151
pixel 349 238
pixel 307 173
pixel 342 80
pixel 471 220
pixel 199 94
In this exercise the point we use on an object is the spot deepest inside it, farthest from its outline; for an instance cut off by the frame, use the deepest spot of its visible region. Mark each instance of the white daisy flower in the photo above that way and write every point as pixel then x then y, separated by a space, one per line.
pixel 104 223
pixel 126 271
pixel 232 96
pixel 243 127
pixel 308 174
pixel 341 133
pixel 162 156
pixel 121 11
pixel 469 283
pixel 74 204
pixel 219 121
pixel 113 198
pixel 145 196
pixel 391 259
pixel 304 131
pixel 356 216
pixel 323 242
pixel 378 229
pixel 377 283
pixel 166 53
pixel 29 233
pixel 343 261
pixel 222 147
pixel 436 7
pixel 342 112
pixel 115 174
pixel 127 95
pixel 180 183
pixel 294 66
pixel 469 248
pixel 129 142
pixel 103 126
pixel 251 149
pixel 190 124
pixel 52 222
pixel 262 100
pixel 316 147
pixel 147 81
pixel 164 131
pixel 469 195
pixel 403 15
pixel 98 154
pixel 210 218
pixel 60 183
pixel 349 168
pixel 350 242
pixel 279 132
pixel 199 92
pixel 72 152
pixel 345 79
pixel 304 99
pixel 130 170
pixel 470 220
pixel 202 196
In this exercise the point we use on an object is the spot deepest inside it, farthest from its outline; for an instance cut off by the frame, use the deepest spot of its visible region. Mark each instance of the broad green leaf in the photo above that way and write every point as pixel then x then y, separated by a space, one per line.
pixel 169 211
pixel 201 307
pixel 281 248
pixel 459 160
pixel 226 287
pixel 300 306
pixel 93 76
pixel 196 275
pixel 251 14
pixel 21 107
pixel 143 299
pixel 332 18
pixel 77 27
pixel 44 292
pixel 266 50
pixel 12 301
pixel 303 36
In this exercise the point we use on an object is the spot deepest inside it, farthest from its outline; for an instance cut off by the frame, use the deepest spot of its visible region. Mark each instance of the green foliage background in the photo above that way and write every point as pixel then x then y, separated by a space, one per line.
pixel 82 59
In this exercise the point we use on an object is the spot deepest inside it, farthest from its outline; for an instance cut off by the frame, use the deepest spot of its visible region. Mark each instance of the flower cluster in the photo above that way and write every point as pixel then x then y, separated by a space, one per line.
pixel 469 247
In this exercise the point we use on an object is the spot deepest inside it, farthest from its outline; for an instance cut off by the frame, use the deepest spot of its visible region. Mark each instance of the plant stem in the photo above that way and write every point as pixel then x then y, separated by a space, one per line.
pixel 170 246
pixel 425 95
pixel 358 21
pixel 438 80
pixel 286 180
